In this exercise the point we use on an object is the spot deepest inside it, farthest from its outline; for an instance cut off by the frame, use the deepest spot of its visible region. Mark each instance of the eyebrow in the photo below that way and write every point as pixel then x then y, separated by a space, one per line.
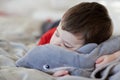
pixel 57 31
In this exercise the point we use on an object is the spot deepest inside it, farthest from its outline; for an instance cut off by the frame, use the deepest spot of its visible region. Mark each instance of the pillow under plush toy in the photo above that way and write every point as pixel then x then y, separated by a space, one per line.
pixel 50 58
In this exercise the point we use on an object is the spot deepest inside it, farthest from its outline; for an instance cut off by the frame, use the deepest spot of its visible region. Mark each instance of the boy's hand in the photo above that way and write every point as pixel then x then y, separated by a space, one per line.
pixel 104 60
pixel 61 73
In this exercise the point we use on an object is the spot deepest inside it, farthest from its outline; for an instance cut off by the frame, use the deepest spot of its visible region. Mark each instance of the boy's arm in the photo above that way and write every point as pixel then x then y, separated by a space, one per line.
pixel 107 58
pixel 116 54
pixel 45 39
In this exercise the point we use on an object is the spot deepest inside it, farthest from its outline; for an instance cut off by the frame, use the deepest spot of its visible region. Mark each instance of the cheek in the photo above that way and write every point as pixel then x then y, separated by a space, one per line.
pixel 77 46
pixel 54 40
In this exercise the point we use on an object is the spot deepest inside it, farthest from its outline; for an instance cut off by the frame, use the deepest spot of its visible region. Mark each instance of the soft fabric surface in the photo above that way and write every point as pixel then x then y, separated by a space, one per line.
pixel 110 71
pixel 10 54
pixel 14 73
pixel 50 58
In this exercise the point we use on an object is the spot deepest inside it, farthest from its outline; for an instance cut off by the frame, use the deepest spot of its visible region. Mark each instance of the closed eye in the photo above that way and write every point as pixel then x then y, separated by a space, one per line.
pixel 67 46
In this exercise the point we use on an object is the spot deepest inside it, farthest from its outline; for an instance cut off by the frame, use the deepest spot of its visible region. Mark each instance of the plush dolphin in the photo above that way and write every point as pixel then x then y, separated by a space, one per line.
pixel 50 58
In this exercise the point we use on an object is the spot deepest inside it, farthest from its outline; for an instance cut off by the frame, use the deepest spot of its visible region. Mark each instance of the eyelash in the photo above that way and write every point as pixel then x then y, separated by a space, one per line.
pixel 67 46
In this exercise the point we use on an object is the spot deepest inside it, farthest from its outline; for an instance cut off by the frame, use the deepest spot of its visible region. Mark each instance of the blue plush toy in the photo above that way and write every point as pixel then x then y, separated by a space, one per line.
pixel 50 58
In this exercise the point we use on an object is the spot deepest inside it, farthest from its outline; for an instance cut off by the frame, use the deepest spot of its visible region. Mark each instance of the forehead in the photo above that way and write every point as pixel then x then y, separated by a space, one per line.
pixel 69 37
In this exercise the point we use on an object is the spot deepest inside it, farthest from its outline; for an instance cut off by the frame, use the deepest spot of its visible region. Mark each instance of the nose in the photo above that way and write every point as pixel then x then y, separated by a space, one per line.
pixel 58 44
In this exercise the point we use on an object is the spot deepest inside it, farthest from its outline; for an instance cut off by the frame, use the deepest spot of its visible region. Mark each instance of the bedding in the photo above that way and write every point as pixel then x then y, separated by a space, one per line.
pixel 8 68
pixel 110 71
pixel 49 58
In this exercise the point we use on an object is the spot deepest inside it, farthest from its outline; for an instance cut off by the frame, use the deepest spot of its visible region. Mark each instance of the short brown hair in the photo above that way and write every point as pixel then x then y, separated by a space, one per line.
pixel 89 19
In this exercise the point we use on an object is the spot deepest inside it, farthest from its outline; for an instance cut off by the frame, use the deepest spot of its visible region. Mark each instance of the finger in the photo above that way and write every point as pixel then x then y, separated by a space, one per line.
pixel 60 73
pixel 99 60
pixel 98 65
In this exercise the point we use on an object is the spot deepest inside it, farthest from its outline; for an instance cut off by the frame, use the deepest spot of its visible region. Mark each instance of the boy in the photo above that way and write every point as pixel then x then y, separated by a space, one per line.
pixel 82 24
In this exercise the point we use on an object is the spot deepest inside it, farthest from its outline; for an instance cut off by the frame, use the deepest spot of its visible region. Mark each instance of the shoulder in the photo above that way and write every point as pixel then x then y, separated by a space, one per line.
pixel 46 37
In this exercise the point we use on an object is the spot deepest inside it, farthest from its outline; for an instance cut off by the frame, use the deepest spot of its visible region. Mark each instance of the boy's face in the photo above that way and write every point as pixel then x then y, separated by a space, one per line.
pixel 66 39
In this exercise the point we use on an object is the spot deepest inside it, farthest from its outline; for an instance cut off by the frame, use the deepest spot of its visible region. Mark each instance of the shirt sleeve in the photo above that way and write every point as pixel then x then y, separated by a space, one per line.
pixel 45 39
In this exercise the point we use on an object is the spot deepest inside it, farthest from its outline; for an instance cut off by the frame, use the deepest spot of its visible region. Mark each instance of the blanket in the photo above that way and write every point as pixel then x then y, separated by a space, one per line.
pixel 50 58
pixel 110 71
